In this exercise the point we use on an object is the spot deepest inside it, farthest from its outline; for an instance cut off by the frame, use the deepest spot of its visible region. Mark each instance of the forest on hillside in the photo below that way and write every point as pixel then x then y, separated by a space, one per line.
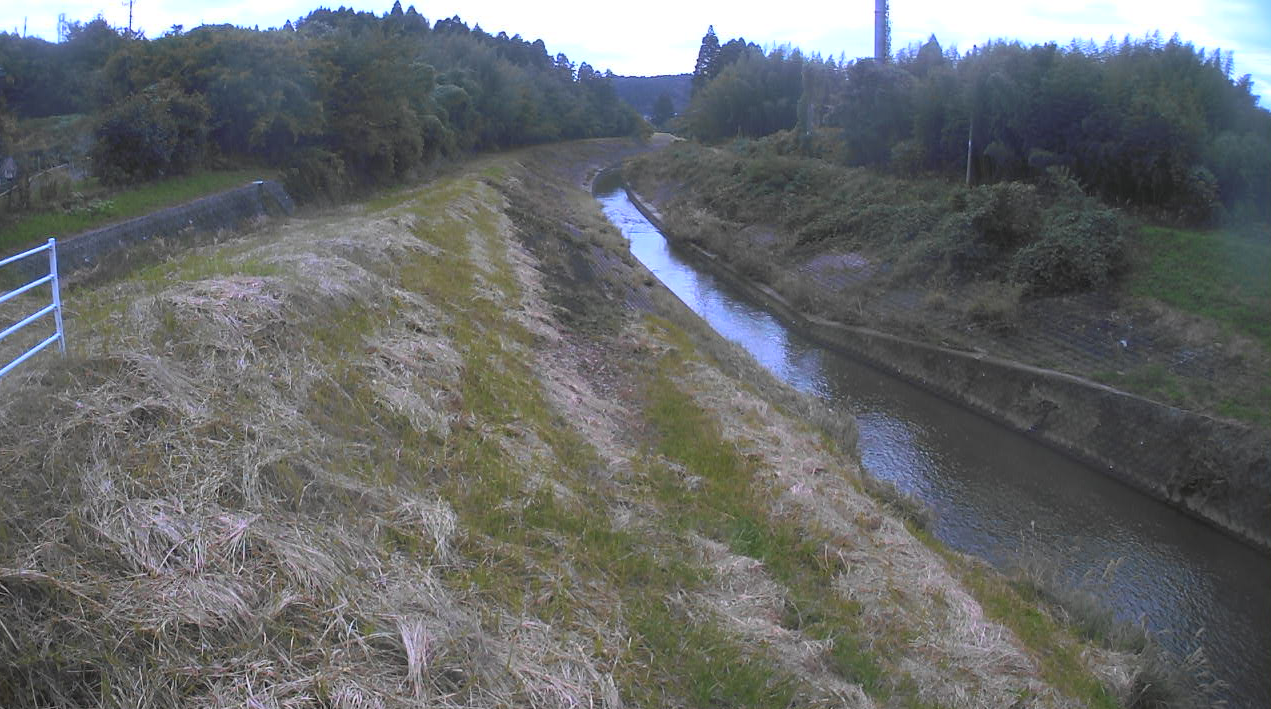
pixel 644 93
pixel 1152 123
pixel 340 99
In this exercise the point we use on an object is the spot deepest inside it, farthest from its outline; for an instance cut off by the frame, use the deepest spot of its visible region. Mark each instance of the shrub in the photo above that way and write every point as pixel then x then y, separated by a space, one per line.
pixel 1005 214
pixel 753 264
pixel 1078 249
pixel 907 157
pixel 1060 187
pixel 315 175
pixel 1200 203
pixel 438 139
pixel 157 132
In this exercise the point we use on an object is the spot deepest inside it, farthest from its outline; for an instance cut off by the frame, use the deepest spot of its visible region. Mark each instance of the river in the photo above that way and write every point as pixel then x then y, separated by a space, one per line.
pixel 1002 496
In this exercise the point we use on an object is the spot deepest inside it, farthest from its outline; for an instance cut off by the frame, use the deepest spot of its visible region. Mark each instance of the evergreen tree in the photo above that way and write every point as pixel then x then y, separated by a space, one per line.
pixel 706 56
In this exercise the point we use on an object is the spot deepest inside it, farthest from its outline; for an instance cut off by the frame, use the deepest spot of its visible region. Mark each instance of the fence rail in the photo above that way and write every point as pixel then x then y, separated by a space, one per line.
pixel 54 307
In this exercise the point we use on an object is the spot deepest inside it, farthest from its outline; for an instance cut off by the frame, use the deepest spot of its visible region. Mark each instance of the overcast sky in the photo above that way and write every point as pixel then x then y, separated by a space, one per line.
pixel 662 37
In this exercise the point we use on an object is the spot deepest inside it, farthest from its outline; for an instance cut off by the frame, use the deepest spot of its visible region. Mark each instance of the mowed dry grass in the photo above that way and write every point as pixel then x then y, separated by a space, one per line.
pixel 369 459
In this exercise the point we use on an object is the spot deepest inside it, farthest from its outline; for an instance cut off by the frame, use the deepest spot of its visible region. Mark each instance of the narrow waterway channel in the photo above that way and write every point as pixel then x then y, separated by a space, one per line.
pixel 1000 495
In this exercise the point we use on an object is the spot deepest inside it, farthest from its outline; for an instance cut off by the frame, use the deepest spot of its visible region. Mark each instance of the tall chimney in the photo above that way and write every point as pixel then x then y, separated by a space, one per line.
pixel 882 40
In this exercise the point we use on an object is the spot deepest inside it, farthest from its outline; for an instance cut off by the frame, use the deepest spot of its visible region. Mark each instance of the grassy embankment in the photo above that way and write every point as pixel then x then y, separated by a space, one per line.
pixel 389 455
pixel 1222 280
pixel 981 268
pixel 28 229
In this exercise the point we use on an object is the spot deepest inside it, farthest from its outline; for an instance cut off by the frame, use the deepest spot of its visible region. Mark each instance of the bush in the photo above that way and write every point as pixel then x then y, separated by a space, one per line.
pixel 438 139
pixel 1005 214
pixel 1078 249
pixel 1200 203
pixel 155 133
pixel 907 157
pixel 315 175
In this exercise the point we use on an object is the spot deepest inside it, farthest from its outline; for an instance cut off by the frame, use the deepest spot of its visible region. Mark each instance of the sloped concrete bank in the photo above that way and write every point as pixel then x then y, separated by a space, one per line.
pixel 1218 471
pixel 223 210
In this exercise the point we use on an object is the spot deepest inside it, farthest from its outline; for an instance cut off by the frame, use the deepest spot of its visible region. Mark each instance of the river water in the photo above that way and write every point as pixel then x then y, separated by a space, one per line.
pixel 1001 496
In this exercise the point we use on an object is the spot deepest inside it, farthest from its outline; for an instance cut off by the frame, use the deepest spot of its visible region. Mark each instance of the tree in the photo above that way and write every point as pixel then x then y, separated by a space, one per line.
pixel 663 110
pixel 876 112
pixel 755 96
pixel 930 57
pixel 706 56
pixel 158 132
pixel 262 88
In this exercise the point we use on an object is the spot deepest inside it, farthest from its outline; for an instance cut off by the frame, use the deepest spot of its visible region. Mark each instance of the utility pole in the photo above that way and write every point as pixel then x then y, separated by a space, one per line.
pixel 129 3
pixel 970 141
pixel 976 94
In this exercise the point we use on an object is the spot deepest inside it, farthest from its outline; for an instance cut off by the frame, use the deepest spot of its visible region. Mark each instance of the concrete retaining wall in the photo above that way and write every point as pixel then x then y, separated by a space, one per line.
pixel 1216 470
pixel 223 210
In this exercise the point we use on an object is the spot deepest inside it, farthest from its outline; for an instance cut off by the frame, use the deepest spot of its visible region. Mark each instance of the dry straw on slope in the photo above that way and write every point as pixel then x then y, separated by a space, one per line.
pixel 181 528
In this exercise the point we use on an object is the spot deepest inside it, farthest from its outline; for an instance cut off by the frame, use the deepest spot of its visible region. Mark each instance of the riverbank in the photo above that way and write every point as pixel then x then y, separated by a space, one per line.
pixel 456 446
pixel 1037 273
pixel 1217 470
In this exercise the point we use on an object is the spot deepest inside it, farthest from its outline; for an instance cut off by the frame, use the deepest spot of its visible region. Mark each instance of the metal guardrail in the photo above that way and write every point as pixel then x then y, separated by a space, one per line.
pixel 55 307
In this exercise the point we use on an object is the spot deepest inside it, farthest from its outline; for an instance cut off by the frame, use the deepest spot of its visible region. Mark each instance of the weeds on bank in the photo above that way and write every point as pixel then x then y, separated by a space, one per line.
pixel 728 506
pixel 1162 681
pixel 1251 404
pixel 1018 607
pixel 536 543
pixel 125 204
pixel 993 249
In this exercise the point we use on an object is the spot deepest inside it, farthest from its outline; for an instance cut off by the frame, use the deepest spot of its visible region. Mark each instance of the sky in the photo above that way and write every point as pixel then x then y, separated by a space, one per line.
pixel 662 37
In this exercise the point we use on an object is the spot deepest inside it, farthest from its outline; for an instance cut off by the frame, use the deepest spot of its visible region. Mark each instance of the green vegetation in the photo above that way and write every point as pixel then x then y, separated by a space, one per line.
pixel 356 457
pixel 986 267
pixel 1016 605
pixel 1048 238
pixel 343 100
pixel 527 553
pixel 1155 123
pixel 1223 275
pixel 645 93
pixel 53 136
pixel 730 508
pixel 124 204
pixel 850 188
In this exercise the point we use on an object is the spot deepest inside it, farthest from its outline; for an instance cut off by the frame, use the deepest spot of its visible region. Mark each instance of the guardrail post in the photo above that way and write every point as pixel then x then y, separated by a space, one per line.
pixel 57 296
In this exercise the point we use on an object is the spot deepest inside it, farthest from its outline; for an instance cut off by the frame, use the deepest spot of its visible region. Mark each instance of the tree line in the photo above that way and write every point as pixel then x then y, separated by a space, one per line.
pixel 1150 122
pixel 337 99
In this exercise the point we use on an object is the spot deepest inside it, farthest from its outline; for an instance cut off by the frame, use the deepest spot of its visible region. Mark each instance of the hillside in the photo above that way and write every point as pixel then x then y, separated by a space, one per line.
pixel 455 447
pixel 641 92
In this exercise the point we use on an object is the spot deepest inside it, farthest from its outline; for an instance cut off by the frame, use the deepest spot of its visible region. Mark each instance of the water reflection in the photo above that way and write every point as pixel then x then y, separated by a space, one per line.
pixel 996 492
